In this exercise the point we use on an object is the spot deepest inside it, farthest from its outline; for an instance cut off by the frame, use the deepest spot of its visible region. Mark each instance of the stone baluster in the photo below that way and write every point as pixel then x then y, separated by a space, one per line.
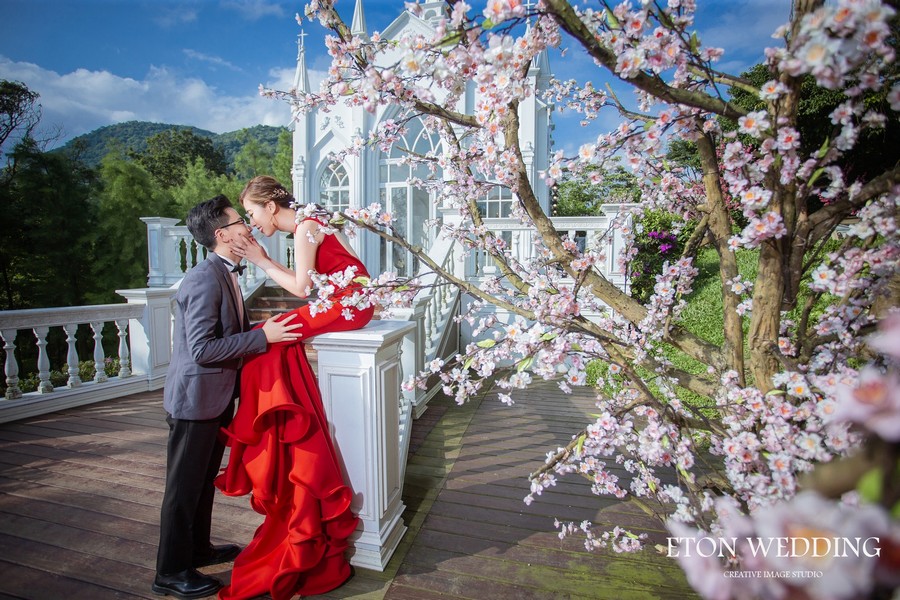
pixel 43 363
pixel 190 251
pixel 99 357
pixel 430 327
pixel 12 367
pixel 438 303
pixel 72 356
pixel 124 353
pixel 446 297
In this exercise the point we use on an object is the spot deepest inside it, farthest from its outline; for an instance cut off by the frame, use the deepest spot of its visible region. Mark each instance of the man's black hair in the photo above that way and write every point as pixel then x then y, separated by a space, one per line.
pixel 203 220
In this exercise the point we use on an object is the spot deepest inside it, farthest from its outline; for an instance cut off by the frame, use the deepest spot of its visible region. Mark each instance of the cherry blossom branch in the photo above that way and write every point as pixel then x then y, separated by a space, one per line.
pixel 563 13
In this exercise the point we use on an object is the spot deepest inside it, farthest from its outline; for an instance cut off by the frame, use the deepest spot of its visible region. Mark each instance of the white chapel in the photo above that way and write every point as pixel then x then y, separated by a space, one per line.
pixel 376 176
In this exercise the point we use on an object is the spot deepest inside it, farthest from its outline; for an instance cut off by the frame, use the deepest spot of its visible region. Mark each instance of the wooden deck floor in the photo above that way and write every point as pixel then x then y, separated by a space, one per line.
pixel 80 492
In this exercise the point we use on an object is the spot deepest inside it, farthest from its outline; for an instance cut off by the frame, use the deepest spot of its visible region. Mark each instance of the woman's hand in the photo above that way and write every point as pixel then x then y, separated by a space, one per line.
pixel 249 249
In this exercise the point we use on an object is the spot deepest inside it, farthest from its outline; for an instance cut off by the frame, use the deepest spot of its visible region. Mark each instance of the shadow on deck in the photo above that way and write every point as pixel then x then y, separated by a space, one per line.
pixel 80 492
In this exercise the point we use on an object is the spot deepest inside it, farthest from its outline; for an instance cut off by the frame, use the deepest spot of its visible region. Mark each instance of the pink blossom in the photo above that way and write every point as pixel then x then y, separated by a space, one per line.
pixel 500 10
pixel 753 123
pixel 873 402
pixel 887 339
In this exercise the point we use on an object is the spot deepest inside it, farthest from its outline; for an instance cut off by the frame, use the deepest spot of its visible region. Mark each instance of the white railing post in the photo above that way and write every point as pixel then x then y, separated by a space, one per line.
pixel 99 355
pixel 412 355
pixel 11 366
pixel 43 362
pixel 72 356
pixel 151 335
pixel 124 353
pixel 160 252
pixel 359 375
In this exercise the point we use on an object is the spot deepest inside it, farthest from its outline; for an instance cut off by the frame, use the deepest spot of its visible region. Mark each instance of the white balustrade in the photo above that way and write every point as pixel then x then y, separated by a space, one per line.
pixel 589 233
pixel 75 392
pixel 167 242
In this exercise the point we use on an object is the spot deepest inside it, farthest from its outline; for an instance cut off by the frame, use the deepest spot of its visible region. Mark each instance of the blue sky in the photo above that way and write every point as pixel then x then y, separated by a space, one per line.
pixel 200 62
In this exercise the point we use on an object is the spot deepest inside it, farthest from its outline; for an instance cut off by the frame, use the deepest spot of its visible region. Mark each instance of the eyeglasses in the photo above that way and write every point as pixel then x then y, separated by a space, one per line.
pixel 239 221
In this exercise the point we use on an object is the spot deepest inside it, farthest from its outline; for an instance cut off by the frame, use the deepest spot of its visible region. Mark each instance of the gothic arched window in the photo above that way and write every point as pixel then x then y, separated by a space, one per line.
pixel 410 205
pixel 334 188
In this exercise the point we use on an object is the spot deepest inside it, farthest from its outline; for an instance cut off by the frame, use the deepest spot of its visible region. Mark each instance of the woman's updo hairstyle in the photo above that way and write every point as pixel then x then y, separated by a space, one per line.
pixel 263 188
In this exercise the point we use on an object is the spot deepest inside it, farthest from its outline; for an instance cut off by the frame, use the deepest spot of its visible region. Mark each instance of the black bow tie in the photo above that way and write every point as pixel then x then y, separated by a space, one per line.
pixel 239 269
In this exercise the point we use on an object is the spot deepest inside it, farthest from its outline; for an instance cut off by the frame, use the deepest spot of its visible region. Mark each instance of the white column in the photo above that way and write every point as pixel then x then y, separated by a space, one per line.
pixel 359 375
pixel 151 335
pixel 161 253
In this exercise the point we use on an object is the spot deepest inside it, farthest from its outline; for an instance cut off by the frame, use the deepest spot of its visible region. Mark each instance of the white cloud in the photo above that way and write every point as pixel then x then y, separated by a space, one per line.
pixel 255 9
pixel 170 16
pixel 217 61
pixel 84 100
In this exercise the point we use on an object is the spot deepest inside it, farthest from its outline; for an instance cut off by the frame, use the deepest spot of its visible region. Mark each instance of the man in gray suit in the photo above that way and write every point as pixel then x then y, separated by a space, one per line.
pixel 212 334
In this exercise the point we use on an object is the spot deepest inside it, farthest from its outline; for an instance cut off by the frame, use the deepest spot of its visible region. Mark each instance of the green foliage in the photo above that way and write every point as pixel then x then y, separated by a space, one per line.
pixel 168 153
pixel 46 229
pixel 684 154
pixel 657 242
pixel 253 158
pixel 199 185
pixel 579 196
pixel 129 193
pixel 232 142
pixel 874 153
pixel 19 110
pixel 284 159
pixel 704 313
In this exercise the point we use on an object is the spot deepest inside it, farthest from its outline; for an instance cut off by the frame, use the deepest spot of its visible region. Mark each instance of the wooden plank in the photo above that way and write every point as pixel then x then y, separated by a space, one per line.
pixel 79 567
pixel 20 582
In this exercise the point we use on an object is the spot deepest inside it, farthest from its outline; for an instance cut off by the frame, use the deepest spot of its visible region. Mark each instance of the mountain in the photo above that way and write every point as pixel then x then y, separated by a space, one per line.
pixel 91 147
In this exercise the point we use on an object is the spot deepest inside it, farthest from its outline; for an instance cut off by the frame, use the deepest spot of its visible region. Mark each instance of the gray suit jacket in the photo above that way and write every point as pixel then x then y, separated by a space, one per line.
pixel 209 341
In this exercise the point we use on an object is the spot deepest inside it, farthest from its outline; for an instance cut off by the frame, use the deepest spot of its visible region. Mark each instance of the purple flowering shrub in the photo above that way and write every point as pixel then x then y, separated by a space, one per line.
pixel 657 242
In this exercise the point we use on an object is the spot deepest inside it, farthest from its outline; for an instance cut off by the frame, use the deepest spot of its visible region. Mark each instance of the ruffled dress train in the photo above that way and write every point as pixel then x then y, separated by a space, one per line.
pixel 282 454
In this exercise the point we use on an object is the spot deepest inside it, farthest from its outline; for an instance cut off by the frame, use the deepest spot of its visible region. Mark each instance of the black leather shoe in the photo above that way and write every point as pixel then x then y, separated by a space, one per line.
pixel 186 584
pixel 218 555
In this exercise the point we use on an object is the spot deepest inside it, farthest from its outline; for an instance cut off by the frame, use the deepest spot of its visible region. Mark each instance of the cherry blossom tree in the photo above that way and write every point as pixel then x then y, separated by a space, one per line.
pixel 796 384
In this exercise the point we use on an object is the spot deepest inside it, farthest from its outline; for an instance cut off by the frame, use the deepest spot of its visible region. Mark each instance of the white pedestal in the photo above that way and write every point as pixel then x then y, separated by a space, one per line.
pixel 359 375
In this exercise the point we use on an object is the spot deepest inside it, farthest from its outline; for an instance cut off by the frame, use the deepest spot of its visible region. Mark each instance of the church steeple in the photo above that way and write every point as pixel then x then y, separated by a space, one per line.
pixel 358 26
pixel 540 62
pixel 301 78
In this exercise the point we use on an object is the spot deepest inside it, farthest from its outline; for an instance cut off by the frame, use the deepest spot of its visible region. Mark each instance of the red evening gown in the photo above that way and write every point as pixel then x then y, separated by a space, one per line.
pixel 282 454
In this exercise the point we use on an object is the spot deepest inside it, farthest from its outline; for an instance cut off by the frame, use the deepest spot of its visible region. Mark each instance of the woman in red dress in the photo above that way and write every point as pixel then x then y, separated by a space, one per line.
pixel 281 448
